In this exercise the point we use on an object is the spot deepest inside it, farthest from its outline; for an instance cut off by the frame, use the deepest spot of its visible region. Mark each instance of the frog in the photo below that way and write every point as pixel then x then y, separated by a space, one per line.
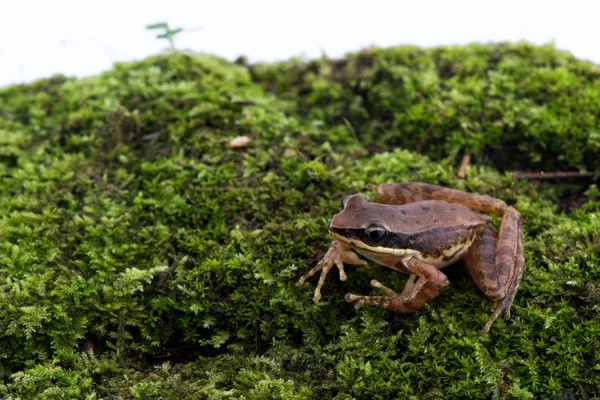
pixel 419 228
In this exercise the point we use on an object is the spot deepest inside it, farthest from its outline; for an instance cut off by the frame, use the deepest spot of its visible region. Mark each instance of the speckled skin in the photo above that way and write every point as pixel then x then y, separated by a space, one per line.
pixel 428 227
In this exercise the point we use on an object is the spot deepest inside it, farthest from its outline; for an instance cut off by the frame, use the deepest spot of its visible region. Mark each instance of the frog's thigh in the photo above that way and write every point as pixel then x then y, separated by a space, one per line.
pixel 472 200
pixel 497 268
pixel 480 264
pixel 520 265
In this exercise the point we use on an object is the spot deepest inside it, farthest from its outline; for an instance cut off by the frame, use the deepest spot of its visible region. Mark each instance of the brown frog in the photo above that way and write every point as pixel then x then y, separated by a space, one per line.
pixel 418 228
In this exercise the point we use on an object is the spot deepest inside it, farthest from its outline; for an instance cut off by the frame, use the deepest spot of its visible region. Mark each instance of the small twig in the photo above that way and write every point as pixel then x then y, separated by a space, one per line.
pixel 552 175
pixel 462 171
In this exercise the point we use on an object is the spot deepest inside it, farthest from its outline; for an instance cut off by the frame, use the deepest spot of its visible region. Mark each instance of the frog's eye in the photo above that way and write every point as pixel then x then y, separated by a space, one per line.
pixel 375 234
pixel 345 201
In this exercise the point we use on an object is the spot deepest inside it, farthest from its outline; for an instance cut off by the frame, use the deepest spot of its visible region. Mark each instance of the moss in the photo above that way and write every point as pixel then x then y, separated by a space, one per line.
pixel 537 103
pixel 141 257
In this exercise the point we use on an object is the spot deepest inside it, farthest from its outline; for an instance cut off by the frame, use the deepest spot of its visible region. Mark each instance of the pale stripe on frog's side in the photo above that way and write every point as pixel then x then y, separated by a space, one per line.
pixel 438 262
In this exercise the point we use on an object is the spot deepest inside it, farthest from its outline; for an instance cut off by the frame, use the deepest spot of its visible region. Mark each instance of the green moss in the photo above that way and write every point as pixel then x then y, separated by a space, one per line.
pixel 141 257
pixel 537 103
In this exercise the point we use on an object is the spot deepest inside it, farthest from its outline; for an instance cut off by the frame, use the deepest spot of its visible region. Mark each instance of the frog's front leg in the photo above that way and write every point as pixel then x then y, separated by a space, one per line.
pixel 338 254
pixel 431 283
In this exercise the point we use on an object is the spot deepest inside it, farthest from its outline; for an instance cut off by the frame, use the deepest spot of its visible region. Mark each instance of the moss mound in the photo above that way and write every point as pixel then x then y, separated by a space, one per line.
pixel 535 103
pixel 141 257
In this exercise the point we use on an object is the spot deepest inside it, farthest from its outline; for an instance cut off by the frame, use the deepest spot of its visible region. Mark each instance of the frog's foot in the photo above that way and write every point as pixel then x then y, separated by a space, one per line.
pixel 416 293
pixel 393 301
pixel 380 301
pixel 505 304
pixel 359 301
pixel 396 302
pixel 337 255
pixel 499 307
pixel 362 300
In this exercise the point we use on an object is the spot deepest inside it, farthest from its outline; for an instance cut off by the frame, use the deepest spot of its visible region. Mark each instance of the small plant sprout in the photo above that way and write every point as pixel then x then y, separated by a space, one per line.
pixel 168 33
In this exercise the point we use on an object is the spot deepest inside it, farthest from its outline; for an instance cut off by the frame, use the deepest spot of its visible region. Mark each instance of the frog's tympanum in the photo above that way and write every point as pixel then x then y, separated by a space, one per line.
pixel 417 228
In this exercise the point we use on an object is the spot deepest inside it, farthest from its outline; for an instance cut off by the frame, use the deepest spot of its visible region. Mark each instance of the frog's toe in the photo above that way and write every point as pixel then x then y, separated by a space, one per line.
pixel 340 266
pixel 355 298
pixel 321 264
pixel 378 285
pixel 379 301
pixel 351 297
pixel 359 304
pixel 507 313
pixel 317 296
pixel 501 306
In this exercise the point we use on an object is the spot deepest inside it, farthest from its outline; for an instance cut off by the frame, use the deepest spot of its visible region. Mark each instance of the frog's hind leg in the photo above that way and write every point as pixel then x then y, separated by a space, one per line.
pixel 474 201
pixel 496 265
pixel 508 259
pixel 410 192
pixel 431 283
pixel 514 286
pixel 396 194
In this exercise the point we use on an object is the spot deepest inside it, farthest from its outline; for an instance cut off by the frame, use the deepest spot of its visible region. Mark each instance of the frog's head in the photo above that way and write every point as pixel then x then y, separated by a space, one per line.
pixel 361 221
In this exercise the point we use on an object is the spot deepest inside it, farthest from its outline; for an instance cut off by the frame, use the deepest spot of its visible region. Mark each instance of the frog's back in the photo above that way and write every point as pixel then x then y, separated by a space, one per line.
pixel 442 231
pixel 431 215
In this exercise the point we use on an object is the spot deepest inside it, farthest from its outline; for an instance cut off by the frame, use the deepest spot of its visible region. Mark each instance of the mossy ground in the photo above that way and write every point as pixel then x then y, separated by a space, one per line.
pixel 142 258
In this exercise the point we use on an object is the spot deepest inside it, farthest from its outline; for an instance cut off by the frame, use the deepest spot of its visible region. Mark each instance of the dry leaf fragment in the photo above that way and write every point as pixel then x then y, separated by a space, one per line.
pixel 239 142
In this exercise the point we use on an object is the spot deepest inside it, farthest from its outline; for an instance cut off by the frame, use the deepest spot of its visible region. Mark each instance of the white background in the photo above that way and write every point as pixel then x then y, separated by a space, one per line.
pixel 40 38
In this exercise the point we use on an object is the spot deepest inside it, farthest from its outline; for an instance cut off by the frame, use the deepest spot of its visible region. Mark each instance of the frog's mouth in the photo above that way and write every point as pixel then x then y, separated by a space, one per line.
pixel 346 234
pixel 353 237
